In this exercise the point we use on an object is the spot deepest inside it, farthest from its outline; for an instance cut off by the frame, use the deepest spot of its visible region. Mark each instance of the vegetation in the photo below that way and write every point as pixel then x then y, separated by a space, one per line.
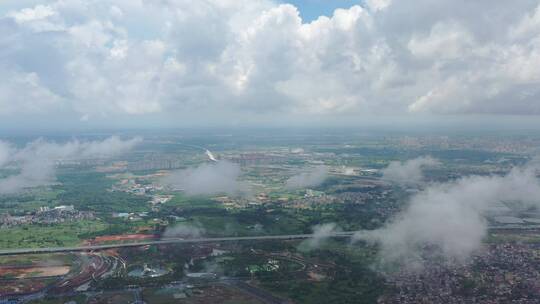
pixel 90 191
pixel 57 235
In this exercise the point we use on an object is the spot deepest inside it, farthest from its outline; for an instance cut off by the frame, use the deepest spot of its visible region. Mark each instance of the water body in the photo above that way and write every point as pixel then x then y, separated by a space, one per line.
pixel 148 272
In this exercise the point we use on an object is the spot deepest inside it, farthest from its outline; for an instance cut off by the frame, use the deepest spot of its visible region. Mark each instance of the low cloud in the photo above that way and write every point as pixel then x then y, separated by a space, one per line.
pixel 320 234
pixel 207 179
pixel 408 172
pixel 36 162
pixel 5 152
pixel 448 219
pixel 109 147
pixel 33 173
pixel 184 231
pixel 312 178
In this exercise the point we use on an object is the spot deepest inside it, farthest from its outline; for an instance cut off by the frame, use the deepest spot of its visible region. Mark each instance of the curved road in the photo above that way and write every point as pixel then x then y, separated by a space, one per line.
pixel 345 234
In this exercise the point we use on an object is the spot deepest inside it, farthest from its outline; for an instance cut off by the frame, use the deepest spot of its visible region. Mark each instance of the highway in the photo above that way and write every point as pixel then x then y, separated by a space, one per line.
pixel 345 234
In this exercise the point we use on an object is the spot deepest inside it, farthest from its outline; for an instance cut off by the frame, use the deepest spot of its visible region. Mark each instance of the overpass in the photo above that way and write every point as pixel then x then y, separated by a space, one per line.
pixel 166 241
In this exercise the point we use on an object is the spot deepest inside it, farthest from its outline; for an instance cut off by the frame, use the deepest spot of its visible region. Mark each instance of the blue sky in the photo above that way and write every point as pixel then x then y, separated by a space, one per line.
pixel 311 9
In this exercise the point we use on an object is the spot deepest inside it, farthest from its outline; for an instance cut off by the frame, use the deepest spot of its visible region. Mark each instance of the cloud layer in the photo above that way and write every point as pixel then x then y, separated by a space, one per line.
pixel 37 160
pixel 449 218
pixel 116 57
pixel 212 178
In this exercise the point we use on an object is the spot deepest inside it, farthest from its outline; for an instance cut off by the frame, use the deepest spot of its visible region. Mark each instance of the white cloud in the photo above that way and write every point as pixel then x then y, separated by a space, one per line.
pixel 377 5
pixel 311 178
pixel 445 41
pixel 184 231
pixel 25 92
pixel 33 173
pixel 213 178
pixel 239 57
pixel 32 14
pixel 36 161
pixel 5 152
pixel 449 218
pixel 528 26
pixel 408 172
pixel 321 233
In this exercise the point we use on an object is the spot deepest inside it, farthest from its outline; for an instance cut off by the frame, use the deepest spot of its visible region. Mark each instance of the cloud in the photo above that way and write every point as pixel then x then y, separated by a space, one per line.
pixel 5 152
pixel 408 172
pixel 445 40
pixel 449 218
pixel 31 14
pixel 108 147
pixel 33 173
pixel 37 160
pixel 320 234
pixel 118 58
pixel 213 178
pixel 312 178
pixel 184 231
pixel 26 93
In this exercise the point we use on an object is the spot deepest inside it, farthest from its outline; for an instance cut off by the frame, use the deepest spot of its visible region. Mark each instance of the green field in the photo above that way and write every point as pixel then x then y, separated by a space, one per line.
pixel 63 234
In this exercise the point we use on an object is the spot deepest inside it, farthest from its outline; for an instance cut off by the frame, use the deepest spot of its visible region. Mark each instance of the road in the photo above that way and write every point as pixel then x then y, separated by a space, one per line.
pixel 167 241
pixel 261 294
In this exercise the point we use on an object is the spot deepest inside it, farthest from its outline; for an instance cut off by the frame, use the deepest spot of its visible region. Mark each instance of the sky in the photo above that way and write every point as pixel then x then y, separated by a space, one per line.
pixel 135 63
pixel 312 9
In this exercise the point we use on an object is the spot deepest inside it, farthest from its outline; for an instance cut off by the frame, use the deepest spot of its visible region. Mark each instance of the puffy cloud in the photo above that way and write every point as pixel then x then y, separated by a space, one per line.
pixel 25 92
pixel 213 178
pixel 320 234
pixel 39 12
pixel 447 41
pixel 377 5
pixel 311 178
pixel 76 149
pixel 408 172
pixel 37 160
pixel 33 173
pixel 236 57
pixel 109 147
pixel 448 219
pixel 184 231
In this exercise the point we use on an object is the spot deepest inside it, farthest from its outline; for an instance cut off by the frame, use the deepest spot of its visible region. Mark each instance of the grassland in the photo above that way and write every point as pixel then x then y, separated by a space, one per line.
pixel 63 234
